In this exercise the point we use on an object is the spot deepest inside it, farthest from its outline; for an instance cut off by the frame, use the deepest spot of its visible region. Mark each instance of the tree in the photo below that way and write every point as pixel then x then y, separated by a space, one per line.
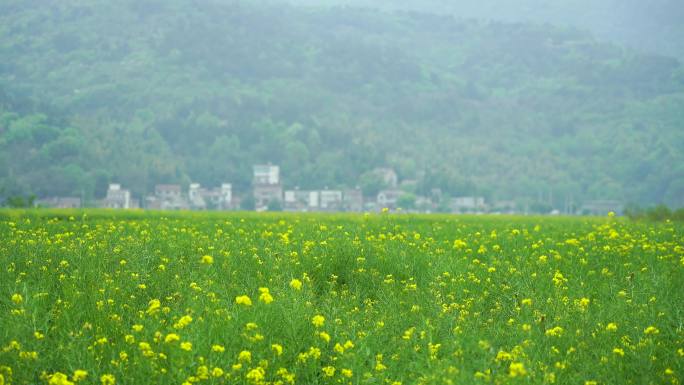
pixel 407 201
pixel 274 205
pixel 371 183
pixel 248 203
pixel 18 201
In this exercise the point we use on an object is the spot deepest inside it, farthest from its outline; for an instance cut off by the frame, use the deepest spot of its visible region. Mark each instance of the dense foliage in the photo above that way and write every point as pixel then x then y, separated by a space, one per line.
pixel 145 92
pixel 135 297
pixel 655 213
pixel 653 26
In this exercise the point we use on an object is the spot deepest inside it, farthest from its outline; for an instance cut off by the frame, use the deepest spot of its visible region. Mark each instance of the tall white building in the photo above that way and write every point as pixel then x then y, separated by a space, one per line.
pixel 267 187
pixel 117 198
pixel 266 174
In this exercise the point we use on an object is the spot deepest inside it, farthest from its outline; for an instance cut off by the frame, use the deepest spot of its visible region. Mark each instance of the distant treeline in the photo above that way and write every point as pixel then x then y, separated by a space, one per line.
pixel 654 213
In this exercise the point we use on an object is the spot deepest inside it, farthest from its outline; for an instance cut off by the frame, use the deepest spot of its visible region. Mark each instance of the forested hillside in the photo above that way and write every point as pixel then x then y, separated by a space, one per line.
pixel 145 92
pixel 653 26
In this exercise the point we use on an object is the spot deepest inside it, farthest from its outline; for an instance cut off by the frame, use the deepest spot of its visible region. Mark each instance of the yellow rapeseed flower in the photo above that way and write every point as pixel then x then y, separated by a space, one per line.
pixel 318 320
pixel 558 278
pixel 79 375
pixel 171 337
pixel 183 322
pixel 584 303
pixel 554 332
pixel 265 295
pixel 516 369
pixel 207 260
pixel 256 375
pixel 329 371
pixel 277 348
pixel 245 356
pixel 59 379
pixel 108 379
pixel 153 306
pixel 243 300
pixel 17 298
pixel 324 336
pixel 651 330
pixel 296 284
pixel 187 346
pixel 611 327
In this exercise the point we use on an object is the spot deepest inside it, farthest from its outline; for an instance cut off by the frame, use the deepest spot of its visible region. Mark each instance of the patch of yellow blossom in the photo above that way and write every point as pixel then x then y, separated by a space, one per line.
pixel 296 284
pixel 265 295
pixel 243 300
pixel 318 320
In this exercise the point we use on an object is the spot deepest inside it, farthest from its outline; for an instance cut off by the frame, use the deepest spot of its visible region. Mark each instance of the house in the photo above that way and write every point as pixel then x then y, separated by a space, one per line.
pixel 167 197
pixel 323 200
pixel 388 175
pixel 167 191
pixel 266 174
pixel 216 198
pixel 226 197
pixel 301 200
pixel 467 204
pixel 330 200
pixel 117 198
pixel 504 207
pixel 196 197
pixel 389 198
pixel 352 200
pixel 424 204
pixel 266 186
pixel 59 202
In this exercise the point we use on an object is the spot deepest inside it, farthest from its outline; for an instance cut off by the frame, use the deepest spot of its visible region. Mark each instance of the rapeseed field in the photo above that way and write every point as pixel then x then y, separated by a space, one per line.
pixel 95 297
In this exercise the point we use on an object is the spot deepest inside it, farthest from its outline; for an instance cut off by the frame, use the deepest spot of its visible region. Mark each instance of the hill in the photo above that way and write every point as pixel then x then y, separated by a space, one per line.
pixel 145 92
pixel 653 26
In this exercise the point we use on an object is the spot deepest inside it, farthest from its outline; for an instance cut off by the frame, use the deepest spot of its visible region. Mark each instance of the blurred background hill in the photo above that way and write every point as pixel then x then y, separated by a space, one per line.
pixel 502 99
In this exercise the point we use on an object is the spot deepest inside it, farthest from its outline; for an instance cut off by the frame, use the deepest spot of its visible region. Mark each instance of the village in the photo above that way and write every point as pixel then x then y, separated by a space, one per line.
pixel 268 194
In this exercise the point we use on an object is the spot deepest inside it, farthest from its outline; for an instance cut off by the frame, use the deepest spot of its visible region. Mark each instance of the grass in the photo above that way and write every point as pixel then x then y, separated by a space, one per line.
pixel 131 297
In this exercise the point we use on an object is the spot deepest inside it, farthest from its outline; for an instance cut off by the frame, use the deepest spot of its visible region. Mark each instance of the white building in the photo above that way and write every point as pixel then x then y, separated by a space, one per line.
pixel 460 204
pixel 267 186
pixel 389 198
pixel 196 196
pixel 117 198
pixel 301 200
pixel 331 200
pixel 266 174
pixel 167 197
pixel 216 198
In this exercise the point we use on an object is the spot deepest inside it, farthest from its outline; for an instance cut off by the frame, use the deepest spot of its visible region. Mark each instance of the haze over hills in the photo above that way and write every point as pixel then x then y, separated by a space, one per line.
pixel 146 92
pixel 653 26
